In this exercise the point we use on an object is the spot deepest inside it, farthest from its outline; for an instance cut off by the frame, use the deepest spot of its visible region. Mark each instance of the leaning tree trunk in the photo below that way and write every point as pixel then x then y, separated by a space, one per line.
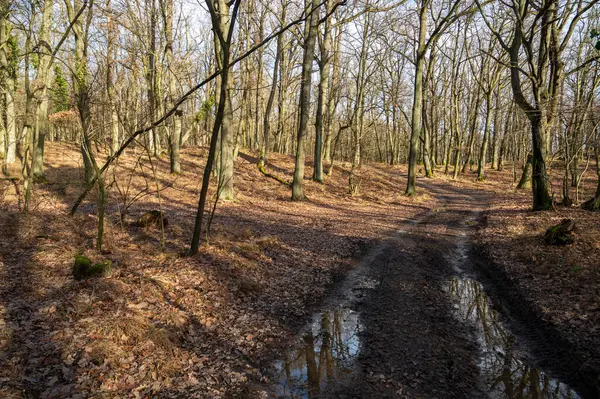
pixel 225 39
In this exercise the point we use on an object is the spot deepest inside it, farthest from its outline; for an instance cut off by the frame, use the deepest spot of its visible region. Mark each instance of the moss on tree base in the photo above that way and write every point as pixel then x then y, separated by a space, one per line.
pixel 560 234
pixel 83 268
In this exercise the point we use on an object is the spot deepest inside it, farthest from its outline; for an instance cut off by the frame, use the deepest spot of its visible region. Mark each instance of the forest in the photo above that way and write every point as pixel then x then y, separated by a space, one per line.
pixel 300 199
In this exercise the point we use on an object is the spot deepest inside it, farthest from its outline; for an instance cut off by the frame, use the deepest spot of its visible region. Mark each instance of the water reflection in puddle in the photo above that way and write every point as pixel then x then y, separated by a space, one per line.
pixel 507 375
pixel 327 351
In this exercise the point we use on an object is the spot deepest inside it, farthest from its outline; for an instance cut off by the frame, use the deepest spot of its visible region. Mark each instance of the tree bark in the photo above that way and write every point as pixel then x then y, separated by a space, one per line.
pixel 175 134
pixel 224 38
pixel 535 114
pixel 310 34
pixel 332 98
pixel 325 48
pixel 593 204
pixel 417 117
pixel 110 83
pixel 525 181
pixel 486 135
pixel 43 76
pixel 8 79
pixel 262 161
pixel 359 108
pixel 227 136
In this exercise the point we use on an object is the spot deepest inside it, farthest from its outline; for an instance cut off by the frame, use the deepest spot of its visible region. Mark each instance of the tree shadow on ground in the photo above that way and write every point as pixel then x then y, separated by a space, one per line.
pixel 56 350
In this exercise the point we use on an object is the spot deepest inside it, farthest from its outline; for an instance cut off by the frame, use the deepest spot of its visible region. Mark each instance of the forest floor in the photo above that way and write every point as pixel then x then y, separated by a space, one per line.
pixel 222 323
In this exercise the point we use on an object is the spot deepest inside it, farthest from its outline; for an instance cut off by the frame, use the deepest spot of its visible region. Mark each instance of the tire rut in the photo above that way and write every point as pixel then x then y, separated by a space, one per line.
pixel 406 336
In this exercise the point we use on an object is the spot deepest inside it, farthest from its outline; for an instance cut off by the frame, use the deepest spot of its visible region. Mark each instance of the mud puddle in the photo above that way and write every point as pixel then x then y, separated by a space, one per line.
pixel 327 349
pixel 324 358
pixel 326 352
pixel 506 371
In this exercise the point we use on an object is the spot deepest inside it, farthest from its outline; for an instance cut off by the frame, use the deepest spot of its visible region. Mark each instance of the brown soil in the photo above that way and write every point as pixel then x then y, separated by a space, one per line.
pixel 211 326
pixel 164 325
pixel 413 346
pixel 556 286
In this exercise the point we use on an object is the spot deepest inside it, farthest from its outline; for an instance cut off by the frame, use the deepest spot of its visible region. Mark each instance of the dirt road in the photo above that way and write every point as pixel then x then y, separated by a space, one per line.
pixel 414 321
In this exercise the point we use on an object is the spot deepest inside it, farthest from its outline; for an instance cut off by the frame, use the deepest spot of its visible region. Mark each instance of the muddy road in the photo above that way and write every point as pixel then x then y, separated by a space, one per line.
pixel 415 319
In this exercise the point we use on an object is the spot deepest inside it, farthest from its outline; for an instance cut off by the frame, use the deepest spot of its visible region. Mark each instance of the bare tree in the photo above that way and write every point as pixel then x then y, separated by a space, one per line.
pixel 540 32
pixel 310 35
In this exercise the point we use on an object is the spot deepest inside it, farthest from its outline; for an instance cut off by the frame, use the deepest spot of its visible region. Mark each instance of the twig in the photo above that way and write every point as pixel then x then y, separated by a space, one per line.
pixel 183 99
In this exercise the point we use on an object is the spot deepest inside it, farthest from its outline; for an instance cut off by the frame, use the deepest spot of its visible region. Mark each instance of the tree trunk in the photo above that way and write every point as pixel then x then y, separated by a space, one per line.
pixel 310 34
pixel 525 181
pixel 457 154
pixel 227 134
pixel 417 110
pixel 539 179
pixel 486 134
pixel 175 134
pixel 259 78
pixel 218 13
pixel 8 78
pixel 540 122
pixel 41 124
pixel 151 78
pixel 11 123
pixel 262 161
pixel 110 83
pixel 428 125
pixel 175 142
pixel 594 203
pixel 495 143
pixel 473 119
pixel 333 95
pixel 359 108
pixel 83 101
pixel 426 145
pixel 322 96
